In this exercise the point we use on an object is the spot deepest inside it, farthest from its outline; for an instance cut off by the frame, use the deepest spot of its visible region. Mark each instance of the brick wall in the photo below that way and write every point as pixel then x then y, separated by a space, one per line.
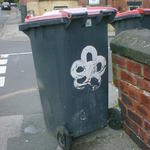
pixel 83 3
pixel 121 5
pixel 86 2
pixel 146 3
pixel 133 82
pixel 131 75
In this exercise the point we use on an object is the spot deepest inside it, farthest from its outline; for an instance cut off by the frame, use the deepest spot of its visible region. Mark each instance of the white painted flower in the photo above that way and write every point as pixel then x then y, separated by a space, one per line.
pixel 86 72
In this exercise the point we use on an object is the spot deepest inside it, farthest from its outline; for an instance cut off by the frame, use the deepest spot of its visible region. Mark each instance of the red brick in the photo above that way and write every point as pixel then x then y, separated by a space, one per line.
pixel 127 100
pixel 119 60
pixel 136 138
pixel 147 125
pixel 142 134
pixel 130 90
pixel 146 72
pixel 134 67
pixel 83 2
pixel 145 99
pixel 142 111
pixel 135 117
pixel 140 82
pixel 121 5
pixel 130 103
pixel 126 76
pixel 116 72
pixel 144 84
pixel 124 86
pixel 132 125
pixel 134 92
pixel 146 3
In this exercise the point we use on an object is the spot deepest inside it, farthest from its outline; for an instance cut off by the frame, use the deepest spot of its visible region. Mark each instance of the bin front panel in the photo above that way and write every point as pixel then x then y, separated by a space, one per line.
pixel 78 104
pixel 71 66
pixel 89 100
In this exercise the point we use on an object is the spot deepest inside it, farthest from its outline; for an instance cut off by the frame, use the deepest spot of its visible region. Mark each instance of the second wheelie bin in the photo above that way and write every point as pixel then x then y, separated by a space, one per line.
pixel 135 19
pixel 70 52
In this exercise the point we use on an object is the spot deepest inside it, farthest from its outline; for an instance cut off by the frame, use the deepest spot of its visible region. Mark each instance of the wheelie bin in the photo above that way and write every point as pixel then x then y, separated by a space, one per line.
pixel 70 52
pixel 139 18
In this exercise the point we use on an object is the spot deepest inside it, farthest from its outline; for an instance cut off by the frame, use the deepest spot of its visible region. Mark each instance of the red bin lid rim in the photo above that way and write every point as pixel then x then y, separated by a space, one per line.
pixel 138 11
pixel 54 14
pixel 68 13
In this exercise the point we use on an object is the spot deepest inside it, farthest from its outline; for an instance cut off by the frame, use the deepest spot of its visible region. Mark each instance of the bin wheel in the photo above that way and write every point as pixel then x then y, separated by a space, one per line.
pixel 115 120
pixel 63 138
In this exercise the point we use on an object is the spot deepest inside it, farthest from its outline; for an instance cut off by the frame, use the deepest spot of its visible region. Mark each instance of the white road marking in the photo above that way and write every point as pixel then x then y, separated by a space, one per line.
pixel 2 81
pixel 13 54
pixel 2 69
pixel 2 97
pixel 3 61
pixel 10 126
pixel 26 53
pixel 4 56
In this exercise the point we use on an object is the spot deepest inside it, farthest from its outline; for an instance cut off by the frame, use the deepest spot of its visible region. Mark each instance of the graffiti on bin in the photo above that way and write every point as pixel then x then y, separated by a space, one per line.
pixel 89 69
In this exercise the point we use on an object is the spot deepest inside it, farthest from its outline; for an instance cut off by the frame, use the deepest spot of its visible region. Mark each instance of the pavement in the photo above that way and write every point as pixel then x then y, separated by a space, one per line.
pixel 22 125
pixel 11 27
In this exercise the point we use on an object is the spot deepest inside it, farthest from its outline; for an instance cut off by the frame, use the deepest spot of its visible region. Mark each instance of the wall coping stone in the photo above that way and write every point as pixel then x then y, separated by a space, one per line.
pixel 133 44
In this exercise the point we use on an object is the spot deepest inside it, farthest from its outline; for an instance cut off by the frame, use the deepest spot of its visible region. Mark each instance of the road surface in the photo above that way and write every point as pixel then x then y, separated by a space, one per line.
pixel 22 125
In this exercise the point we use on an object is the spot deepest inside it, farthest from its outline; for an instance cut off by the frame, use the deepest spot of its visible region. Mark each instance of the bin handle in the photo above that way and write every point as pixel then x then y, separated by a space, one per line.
pixel 67 23
pixel 85 16
pixel 84 20
pixel 103 14
pixel 99 17
pixel 112 16
pixel 69 19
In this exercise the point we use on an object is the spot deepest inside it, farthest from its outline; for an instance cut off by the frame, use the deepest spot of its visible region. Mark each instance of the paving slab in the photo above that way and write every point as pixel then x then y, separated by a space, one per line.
pixel 20 104
pixel 35 136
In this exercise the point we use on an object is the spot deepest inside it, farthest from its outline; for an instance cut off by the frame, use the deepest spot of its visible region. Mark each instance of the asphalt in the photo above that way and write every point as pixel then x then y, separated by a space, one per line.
pixel 22 125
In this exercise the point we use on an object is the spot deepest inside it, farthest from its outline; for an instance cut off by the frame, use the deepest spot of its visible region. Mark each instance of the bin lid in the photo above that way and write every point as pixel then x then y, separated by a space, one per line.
pixel 139 12
pixel 60 15
pixel 71 13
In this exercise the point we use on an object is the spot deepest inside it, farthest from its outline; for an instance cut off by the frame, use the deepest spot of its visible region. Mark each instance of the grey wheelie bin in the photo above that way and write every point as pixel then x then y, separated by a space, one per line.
pixel 139 18
pixel 70 53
